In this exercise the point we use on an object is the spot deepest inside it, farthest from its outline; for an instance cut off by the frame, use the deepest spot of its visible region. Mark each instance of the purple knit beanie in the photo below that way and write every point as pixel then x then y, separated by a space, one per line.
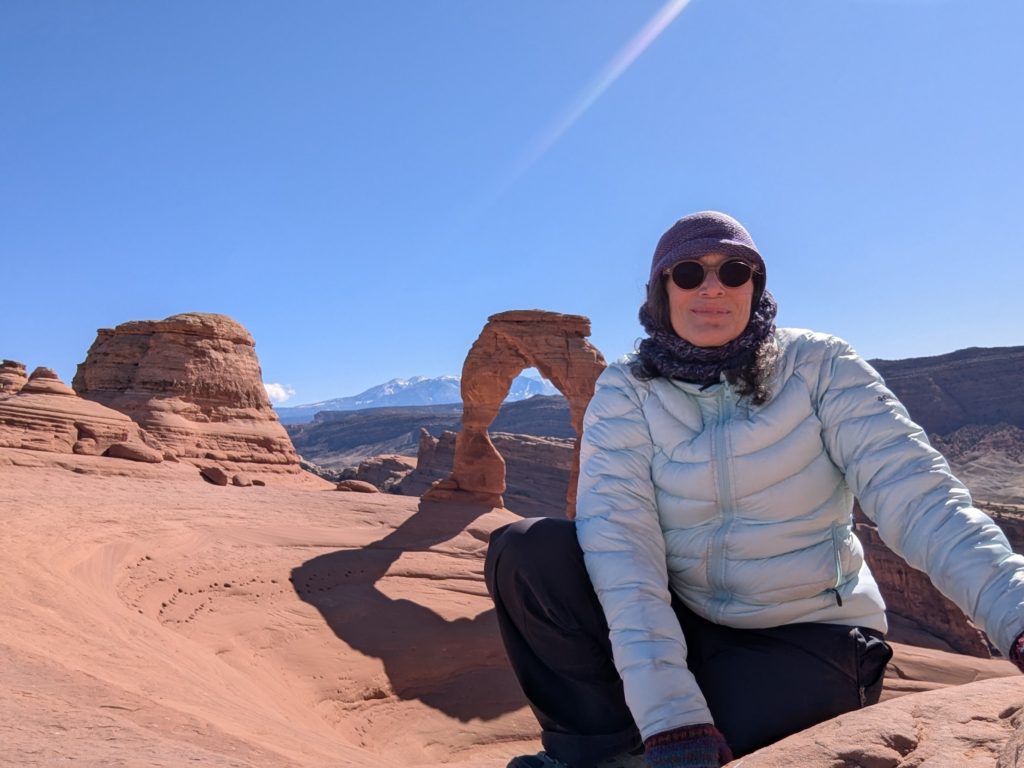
pixel 702 233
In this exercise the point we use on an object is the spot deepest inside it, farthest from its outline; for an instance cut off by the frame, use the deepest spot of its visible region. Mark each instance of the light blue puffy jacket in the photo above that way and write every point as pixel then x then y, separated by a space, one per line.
pixel 744 512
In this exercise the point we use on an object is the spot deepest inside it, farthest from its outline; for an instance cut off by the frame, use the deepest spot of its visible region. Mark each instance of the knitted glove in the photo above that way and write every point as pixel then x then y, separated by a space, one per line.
pixel 1017 652
pixel 692 746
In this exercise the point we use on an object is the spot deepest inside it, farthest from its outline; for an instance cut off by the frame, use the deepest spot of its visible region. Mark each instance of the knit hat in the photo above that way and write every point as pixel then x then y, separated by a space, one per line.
pixel 702 233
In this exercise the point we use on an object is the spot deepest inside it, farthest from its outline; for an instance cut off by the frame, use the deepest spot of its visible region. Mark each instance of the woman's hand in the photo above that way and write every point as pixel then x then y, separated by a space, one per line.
pixel 1017 652
pixel 691 746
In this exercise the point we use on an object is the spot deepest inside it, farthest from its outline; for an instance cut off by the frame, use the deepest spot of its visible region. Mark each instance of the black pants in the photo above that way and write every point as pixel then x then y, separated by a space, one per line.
pixel 760 684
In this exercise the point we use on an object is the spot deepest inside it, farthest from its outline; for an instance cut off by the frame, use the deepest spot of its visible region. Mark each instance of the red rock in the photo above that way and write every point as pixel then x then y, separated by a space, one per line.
pixel 357 486
pixel 386 470
pixel 12 377
pixel 134 452
pixel 257 482
pixel 553 343
pixel 193 381
pixel 45 381
pixel 968 726
pixel 47 415
pixel 537 471
pixel 215 475
pixel 241 481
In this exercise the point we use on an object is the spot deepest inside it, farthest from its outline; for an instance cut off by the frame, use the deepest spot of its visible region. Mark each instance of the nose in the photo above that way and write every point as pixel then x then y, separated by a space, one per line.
pixel 711 286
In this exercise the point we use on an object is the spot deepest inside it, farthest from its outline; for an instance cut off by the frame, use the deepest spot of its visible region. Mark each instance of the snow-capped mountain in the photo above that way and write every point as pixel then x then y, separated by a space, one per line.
pixel 419 390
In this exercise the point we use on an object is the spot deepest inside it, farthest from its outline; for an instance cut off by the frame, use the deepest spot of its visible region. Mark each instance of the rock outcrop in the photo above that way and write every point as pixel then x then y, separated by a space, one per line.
pixel 357 486
pixel 12 377
pixel 385 471
pixel 46 415
pixel 193 382
pixel 553 343
pixel 537 470
pixel 969 726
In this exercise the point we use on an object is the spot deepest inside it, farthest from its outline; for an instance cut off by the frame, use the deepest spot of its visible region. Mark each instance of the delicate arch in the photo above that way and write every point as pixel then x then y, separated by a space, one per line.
pixel 555 345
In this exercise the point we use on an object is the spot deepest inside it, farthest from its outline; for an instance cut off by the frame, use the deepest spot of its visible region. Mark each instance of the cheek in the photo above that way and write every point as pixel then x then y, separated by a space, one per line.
pixel 744 301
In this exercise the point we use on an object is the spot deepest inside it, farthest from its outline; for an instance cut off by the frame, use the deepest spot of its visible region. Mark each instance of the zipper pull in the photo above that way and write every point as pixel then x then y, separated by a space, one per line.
pixel 839 598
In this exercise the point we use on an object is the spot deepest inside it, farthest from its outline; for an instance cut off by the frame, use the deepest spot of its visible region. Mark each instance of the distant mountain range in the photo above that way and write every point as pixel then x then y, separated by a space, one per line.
pixel 419 390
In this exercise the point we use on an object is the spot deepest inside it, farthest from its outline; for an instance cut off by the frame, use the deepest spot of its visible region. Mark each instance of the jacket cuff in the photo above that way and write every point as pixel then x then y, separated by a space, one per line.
pixel 691 746
pixel 1017 652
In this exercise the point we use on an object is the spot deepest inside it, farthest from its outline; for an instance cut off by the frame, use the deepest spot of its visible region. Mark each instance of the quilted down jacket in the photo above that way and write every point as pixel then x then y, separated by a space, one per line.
pixel 744 512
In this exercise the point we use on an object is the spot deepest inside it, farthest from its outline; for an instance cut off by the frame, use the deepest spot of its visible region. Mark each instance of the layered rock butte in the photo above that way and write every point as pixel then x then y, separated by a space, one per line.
pixel 193 382
pixel 554 344
pixel 44 414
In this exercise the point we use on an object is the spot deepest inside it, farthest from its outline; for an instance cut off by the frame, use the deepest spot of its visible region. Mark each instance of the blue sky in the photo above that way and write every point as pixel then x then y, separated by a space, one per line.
pixel 341 177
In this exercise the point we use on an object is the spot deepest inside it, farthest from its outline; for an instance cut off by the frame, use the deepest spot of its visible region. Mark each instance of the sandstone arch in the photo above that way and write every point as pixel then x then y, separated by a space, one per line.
pixel 554 344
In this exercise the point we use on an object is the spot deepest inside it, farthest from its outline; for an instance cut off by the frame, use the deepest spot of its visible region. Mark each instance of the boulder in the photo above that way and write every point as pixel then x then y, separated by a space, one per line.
pixel 12 377
pixel 215 475
pixel 510 342
pixel 357 486
pixel 193 381
pixel 46 415
pixel 385 471
pixel 134 452
pixel 241 480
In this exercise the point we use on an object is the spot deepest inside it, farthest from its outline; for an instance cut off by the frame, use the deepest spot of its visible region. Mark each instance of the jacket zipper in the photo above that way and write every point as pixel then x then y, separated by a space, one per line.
pixel 839 565
pixel 725 493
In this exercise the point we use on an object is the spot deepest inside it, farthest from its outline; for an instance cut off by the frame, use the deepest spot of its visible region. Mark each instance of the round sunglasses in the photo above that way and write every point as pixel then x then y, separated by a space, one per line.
pixel 690 275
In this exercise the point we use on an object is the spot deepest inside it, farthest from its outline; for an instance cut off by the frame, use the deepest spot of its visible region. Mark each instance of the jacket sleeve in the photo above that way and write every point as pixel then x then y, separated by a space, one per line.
pixel 624 550
pixel 905 486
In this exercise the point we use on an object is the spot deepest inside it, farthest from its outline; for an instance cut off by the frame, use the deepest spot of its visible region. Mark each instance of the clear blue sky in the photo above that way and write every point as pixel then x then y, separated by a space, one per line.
pixel 336 175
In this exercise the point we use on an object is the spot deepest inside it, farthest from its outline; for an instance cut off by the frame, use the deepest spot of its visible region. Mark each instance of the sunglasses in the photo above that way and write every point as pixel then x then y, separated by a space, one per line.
pixel 690 275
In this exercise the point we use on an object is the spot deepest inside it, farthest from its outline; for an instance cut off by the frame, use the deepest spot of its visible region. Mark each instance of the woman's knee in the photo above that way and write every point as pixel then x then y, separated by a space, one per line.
pixel 535 546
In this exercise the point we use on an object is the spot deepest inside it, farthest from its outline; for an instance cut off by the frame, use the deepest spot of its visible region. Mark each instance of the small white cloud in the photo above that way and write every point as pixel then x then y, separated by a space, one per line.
pixel 278 393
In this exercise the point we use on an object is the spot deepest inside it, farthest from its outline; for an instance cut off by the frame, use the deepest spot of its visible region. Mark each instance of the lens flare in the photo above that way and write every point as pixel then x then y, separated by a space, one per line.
pixel 611 72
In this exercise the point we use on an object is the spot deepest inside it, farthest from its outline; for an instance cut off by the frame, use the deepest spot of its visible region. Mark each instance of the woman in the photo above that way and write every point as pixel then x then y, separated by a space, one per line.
pixel 711 593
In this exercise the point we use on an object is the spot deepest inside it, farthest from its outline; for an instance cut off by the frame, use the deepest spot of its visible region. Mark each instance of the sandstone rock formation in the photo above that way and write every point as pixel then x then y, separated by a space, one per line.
pixel 47 415
pixel 969 726
pixel 553 343
pixel 12 377
pixel 385 471
pixel 357 486
pixel 216 627
pixel 537 470
pixel 193 382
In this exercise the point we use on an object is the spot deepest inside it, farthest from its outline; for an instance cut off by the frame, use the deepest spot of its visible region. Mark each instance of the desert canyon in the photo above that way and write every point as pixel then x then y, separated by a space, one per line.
pixel 180 591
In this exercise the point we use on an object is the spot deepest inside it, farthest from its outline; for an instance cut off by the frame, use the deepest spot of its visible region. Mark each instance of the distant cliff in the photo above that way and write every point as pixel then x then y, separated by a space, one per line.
pixel 417 391
pixel 975 386
pixel 339 439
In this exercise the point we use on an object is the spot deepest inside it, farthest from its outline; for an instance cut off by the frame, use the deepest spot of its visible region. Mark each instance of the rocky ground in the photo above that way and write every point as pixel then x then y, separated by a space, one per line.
pixel 151 618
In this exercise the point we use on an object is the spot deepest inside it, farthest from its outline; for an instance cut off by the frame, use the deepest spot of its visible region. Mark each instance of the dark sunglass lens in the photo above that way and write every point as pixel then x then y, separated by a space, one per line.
pixel 733 274
pixel 688 275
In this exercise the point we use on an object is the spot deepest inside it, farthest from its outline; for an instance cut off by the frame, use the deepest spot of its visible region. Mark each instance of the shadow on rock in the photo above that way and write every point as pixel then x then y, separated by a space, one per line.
pixel 458 667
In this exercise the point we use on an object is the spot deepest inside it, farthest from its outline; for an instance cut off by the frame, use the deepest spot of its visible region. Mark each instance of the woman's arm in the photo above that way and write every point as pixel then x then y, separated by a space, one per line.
pixel 923 513
pixel 618 529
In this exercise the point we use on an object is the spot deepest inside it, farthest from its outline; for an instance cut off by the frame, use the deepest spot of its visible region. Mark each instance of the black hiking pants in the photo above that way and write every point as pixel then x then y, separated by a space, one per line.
pixel 760 684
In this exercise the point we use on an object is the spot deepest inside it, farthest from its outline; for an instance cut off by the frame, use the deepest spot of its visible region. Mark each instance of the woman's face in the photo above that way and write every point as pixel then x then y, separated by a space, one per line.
pixel 712 314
